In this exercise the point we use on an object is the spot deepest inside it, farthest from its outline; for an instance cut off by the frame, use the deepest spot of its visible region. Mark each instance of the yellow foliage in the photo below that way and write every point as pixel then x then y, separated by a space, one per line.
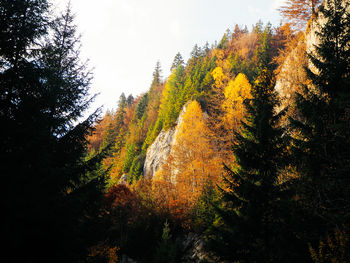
pixel 219 76
pixel 235 93
pixel 192 161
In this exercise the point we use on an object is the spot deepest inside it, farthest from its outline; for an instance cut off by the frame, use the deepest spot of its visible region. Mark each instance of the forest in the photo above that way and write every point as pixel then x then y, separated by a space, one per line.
pixel 241 154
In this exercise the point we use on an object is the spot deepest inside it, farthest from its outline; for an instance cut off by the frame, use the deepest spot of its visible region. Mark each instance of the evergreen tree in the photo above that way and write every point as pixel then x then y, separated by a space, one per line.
pixel 141 106
pixel 178 60
pixel 50 190
pixel 22 23
pixel 157 74
pixel 129 100
pixel 322 141
pixel 166 252
pixel 251 225
pixel 115 128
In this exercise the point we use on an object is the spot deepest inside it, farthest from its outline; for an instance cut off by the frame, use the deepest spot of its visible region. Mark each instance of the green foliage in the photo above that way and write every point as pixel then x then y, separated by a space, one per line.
pixel 245 66
pixel 152 134
pixel 129 100
pixel 167 250
pixel 322 147
pixel 252 218
pixel 136 169
pixel 204 212
pixel 157 75
pixel 141 106
pixel 178 61
pixel 172 101
pixel 223 42
pixel 115 130
pixel 130 155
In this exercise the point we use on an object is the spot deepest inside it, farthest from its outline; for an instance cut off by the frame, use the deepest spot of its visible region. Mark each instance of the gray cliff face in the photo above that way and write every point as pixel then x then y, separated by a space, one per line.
pixel 292 74
pixel 311 36
pixel 160 149
pixel 158 152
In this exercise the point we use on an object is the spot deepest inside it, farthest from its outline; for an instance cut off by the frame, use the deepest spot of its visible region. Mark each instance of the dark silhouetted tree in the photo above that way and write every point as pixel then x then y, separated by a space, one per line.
pixel 50 189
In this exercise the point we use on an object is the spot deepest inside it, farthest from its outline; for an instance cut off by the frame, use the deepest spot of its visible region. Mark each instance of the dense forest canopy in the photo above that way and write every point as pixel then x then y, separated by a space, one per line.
pixel 241 154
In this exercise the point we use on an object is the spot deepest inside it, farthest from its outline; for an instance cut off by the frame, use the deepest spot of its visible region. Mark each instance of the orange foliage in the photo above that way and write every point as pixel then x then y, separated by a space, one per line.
pixel 298 12
pixel 105 251
pixel 192 161
pixel 245 45
pixel 101 128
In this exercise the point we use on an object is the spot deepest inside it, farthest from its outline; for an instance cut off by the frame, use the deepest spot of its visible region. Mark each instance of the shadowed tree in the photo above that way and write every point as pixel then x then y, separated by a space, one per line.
pixel 50 189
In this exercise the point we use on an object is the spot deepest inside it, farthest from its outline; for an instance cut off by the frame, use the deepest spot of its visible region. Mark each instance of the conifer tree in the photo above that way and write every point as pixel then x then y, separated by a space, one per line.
pixel 178 60
pixel 115 128
pixel 251 221
pixel 322 141
pixel 50 190
pixel 166 251
pixel 157 74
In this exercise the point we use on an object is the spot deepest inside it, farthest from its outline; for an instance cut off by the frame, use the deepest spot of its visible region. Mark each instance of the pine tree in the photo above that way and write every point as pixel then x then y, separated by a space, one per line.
pixel 50 190
pixel 251 224
pixel 322 144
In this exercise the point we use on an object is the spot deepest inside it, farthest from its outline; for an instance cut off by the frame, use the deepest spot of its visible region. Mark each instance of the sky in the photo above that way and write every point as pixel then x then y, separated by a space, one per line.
pixel 124 39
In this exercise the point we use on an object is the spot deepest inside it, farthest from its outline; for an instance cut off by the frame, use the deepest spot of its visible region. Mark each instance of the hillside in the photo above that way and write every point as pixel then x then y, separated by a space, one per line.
pixel 176 140
pixel 241 154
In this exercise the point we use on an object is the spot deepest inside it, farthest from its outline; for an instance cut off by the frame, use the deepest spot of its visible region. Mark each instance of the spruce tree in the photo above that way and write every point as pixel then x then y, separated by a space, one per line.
pixel 178 60
pixel 49 189
pixel 251 224
pixel 322 133
pixel 157 74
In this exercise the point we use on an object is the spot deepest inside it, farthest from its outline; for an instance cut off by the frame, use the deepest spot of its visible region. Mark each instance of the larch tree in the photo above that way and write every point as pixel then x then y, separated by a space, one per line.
pixel 235 93
pixel 192 161
pixel 299 12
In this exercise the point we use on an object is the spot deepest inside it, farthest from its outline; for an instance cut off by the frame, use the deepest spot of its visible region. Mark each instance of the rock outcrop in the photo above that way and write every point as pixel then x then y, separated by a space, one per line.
pixel 193 250
pixel 292 76
pixel 160 149
pixel 158 152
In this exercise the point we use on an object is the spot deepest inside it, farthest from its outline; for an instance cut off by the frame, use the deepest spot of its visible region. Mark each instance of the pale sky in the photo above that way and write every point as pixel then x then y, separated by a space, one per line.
pixel 123 39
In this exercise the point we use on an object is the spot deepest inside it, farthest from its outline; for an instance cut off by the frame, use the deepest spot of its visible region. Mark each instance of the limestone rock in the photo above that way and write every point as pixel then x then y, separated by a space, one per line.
pixel 158 152
pixel 160 149
pixel 292 76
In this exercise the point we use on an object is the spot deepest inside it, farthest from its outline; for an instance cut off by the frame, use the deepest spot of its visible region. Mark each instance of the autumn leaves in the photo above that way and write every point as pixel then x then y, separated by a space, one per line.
pixel 194 159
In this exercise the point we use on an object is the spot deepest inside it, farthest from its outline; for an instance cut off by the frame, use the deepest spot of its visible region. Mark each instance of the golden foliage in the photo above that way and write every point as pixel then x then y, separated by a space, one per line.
pixel 192 161
pixel 101 129
pixel 235 93
pixel 298 12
